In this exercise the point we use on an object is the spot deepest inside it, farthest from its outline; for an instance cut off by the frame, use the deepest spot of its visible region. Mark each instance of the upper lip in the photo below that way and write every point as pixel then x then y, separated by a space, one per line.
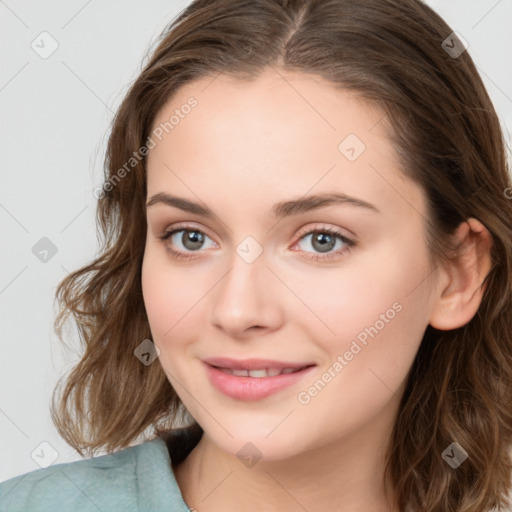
pixel 253 364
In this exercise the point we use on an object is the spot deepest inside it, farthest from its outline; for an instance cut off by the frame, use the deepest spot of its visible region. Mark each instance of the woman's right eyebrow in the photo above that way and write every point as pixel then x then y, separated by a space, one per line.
pixel 279 210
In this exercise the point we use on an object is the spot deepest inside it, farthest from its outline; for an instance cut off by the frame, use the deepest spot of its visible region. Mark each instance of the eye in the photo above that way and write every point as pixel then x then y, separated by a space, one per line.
pixel 324 240
pixel 189 240
pixel 186 239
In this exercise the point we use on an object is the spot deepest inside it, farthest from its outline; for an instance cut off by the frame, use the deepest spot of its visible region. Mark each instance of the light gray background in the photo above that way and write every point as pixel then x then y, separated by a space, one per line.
pixel 55 116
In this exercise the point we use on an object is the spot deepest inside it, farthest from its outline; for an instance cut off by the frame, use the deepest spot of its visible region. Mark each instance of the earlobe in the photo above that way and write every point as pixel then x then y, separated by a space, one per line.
pixel 460 299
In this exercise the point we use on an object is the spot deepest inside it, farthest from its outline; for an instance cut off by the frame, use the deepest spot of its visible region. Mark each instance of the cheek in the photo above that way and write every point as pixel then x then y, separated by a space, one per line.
pixel 371 295
pixel 378 316
pixel 371 313
pixel 170 293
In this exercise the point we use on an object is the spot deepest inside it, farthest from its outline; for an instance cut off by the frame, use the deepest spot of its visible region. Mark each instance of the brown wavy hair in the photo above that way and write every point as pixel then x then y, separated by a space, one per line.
pixel 448 137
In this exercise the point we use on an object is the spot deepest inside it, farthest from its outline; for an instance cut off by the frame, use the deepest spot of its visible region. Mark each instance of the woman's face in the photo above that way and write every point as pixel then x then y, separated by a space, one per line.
pixel 273 264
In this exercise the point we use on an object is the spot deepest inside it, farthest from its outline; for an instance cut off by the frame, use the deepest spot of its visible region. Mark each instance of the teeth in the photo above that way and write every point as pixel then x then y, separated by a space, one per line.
pixel 263 372
pixel 240 373
pixel 258 373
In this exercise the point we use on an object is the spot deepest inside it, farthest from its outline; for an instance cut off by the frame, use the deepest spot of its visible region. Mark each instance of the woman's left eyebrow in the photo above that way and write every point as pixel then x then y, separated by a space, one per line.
pixel 279 210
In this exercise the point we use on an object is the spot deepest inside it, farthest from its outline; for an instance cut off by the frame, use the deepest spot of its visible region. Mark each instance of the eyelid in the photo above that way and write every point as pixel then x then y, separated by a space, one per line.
pixel 186 226
pixel 320 227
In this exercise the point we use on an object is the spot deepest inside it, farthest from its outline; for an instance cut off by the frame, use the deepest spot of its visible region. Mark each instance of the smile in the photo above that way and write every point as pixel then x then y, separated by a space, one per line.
pixel 254 379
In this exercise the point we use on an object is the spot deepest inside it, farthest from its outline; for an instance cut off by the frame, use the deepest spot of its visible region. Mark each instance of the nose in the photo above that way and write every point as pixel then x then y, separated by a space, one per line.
pixel 247 300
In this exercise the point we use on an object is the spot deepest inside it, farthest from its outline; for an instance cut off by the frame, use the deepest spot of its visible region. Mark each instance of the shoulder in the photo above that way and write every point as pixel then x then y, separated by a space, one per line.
pixel 138 478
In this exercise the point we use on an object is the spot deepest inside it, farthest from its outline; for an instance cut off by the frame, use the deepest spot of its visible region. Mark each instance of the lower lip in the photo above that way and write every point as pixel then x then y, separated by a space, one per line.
pixel 252 388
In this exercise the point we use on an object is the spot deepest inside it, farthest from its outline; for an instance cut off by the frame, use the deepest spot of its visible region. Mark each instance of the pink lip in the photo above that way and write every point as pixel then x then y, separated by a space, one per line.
pixel 252 388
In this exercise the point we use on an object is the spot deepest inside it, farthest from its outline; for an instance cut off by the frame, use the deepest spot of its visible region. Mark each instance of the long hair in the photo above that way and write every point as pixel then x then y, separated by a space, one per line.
pixel 449 141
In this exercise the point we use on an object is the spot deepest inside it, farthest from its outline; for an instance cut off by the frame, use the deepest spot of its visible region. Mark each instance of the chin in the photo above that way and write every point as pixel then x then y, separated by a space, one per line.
pixel 251 444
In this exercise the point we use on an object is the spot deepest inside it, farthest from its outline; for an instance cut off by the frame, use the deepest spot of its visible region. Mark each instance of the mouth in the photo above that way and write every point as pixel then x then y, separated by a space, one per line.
pixel 254 379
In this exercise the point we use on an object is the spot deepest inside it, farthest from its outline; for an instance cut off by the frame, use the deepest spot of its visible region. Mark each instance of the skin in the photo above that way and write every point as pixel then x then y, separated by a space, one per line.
pixel 245 147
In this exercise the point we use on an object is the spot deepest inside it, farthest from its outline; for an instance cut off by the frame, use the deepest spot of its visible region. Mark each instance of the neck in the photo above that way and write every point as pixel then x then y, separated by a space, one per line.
pixel 345 476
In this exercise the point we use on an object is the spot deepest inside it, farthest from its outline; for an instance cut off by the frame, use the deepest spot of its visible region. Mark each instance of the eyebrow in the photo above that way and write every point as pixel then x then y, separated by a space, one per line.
pixel 279 210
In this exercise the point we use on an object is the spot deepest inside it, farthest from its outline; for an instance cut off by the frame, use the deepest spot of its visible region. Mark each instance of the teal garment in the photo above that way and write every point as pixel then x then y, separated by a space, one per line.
pixel 136 479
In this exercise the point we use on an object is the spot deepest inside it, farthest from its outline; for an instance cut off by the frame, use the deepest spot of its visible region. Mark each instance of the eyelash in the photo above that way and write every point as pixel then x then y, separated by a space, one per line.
pixel 349 244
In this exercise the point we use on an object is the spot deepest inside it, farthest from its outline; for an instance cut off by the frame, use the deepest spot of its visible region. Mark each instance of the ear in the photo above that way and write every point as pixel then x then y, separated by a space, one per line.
pixel 462 289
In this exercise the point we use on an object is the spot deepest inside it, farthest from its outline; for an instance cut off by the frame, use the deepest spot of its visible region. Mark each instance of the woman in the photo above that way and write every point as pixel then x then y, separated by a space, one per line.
pixel 307 256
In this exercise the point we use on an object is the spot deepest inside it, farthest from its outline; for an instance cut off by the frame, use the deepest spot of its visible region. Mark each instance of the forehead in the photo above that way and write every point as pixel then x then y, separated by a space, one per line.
pixel 271 101
pixel 281 134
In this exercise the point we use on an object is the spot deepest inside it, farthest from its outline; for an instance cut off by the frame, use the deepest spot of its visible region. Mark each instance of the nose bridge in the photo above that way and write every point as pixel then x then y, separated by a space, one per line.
pixel 241 287
pixel 246 295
